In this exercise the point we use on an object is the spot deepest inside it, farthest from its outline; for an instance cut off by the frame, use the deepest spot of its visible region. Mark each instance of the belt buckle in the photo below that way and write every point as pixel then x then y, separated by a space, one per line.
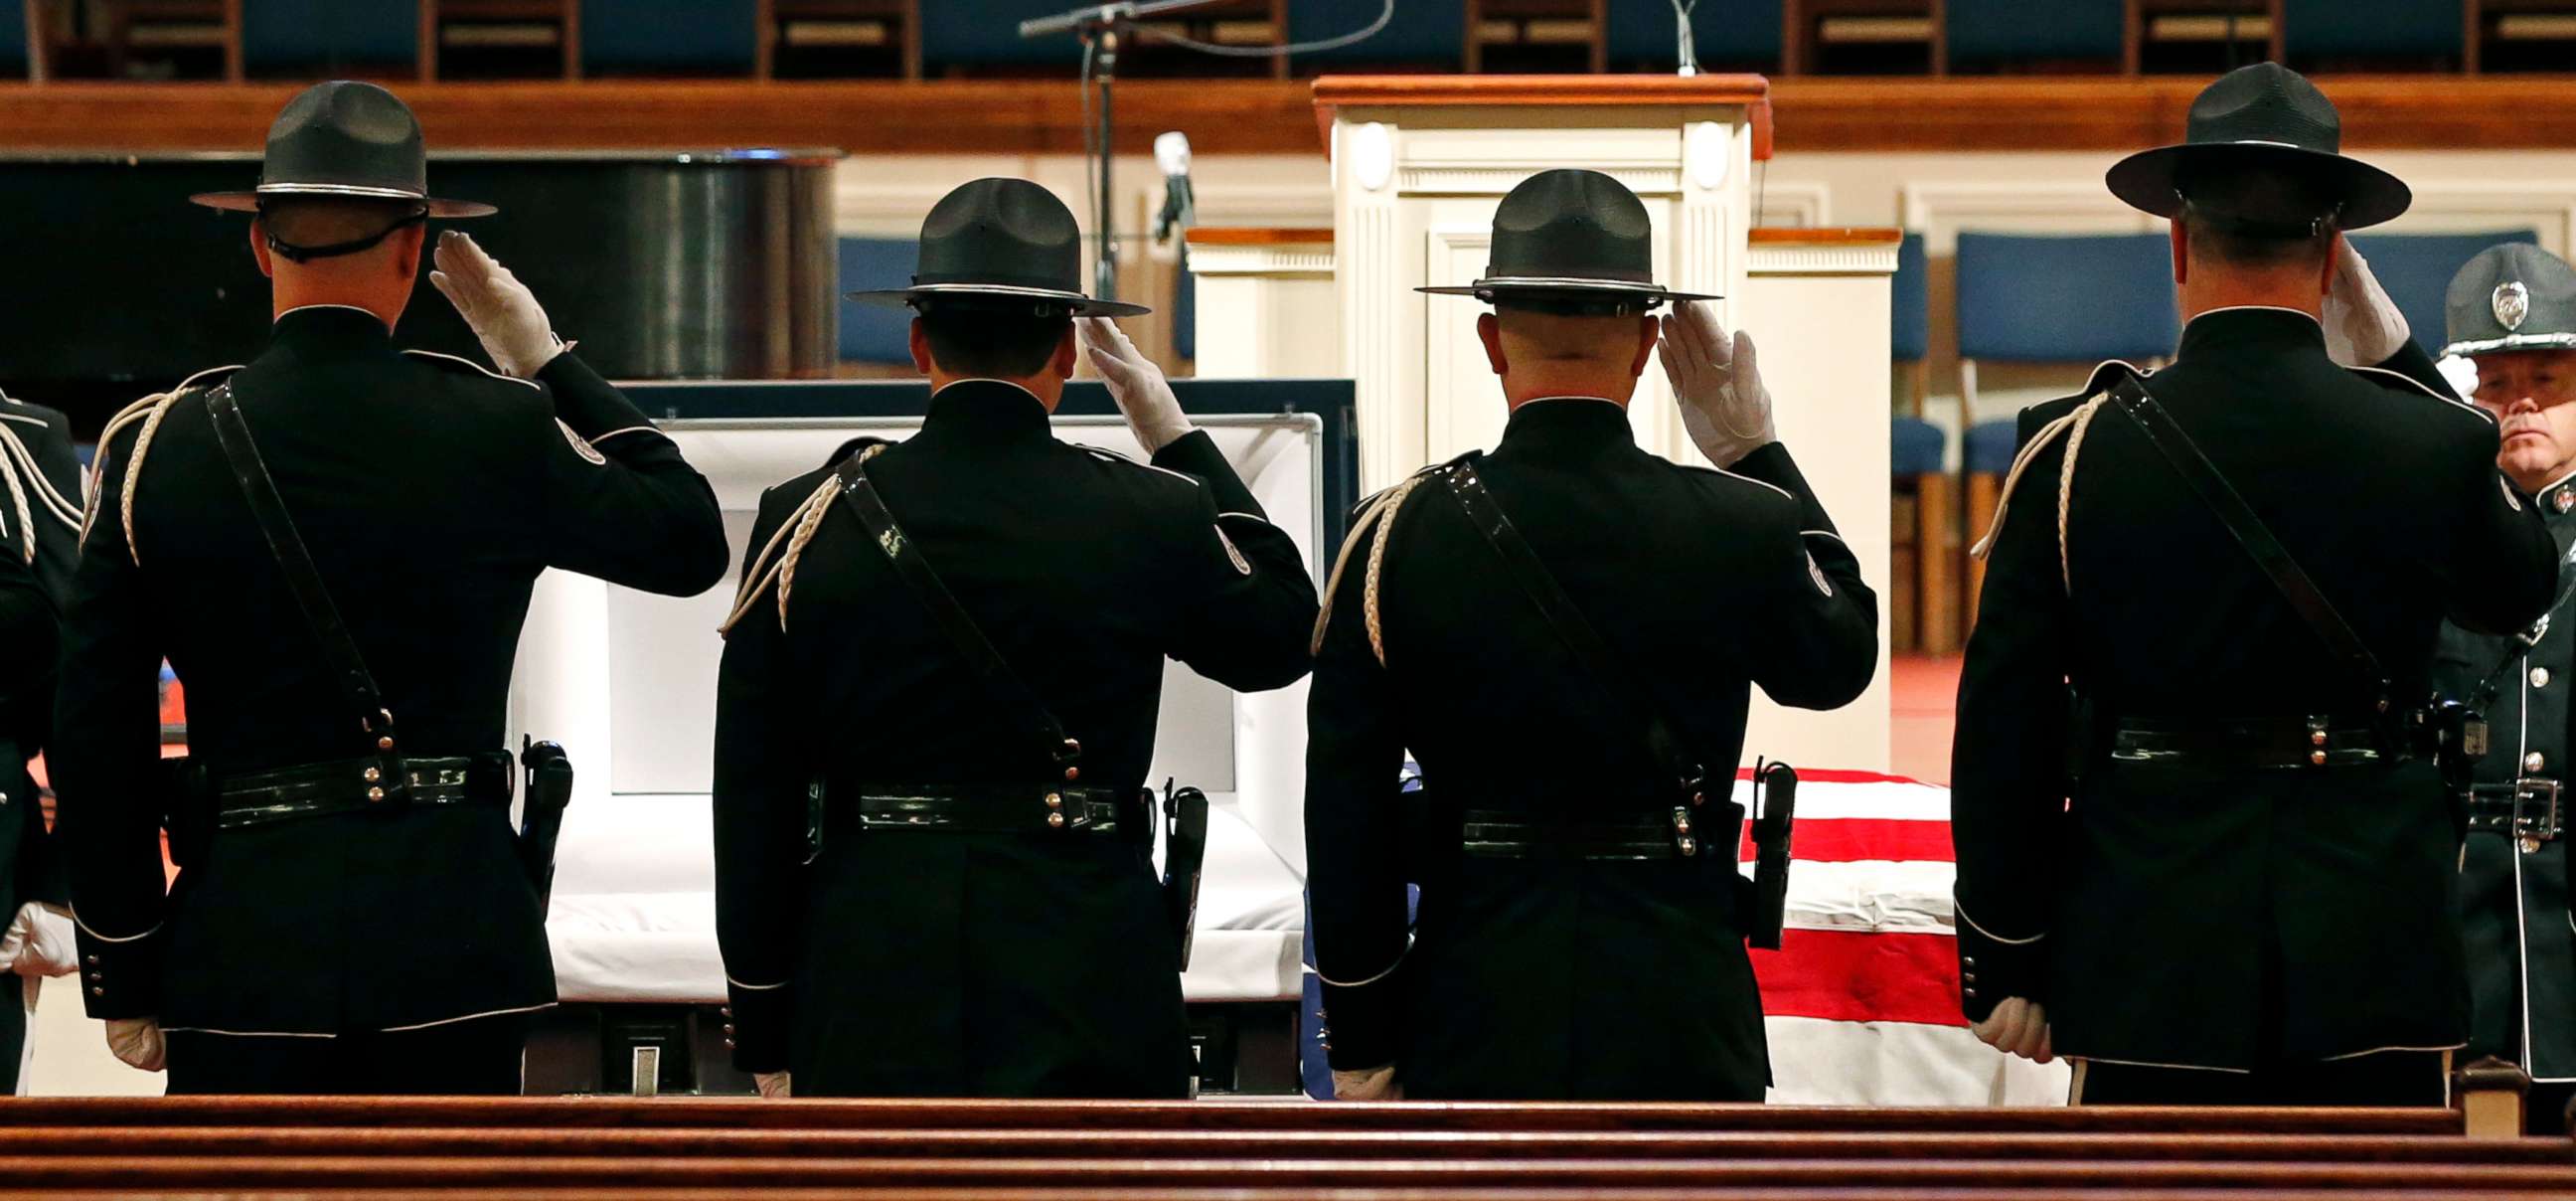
pixel 2533 829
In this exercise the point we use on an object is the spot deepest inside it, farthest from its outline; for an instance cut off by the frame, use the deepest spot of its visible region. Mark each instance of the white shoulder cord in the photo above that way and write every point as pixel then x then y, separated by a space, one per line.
pixel 2066 488
pixel 797 530
pixel 127 416
pixel 1380 512
pixel 63 508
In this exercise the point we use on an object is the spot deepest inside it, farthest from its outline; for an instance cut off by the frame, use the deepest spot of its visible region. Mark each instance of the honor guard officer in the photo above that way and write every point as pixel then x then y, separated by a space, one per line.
pixel 2238 567
pixel 937 706
pixel 2513 342
pixel 40 486
pixel 1564 632
pixel 334 547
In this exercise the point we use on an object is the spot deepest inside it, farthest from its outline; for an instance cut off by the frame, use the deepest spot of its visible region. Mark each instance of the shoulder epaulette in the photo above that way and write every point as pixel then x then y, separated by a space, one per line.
pixel 1106 455
pixel 148 412
pixel 2399 381
pixel 454 363
pixel 1379 510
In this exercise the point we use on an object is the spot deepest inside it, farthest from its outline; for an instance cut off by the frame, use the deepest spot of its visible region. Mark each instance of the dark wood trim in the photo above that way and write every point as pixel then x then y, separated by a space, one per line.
pixel 1824 235
pixel 1260 116
pixel 1245 235
pixel 1394 91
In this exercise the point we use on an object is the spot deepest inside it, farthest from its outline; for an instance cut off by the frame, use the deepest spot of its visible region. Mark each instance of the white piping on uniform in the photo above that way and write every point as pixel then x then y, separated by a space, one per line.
pixel 308 307
pixel 467 1018
pixel 1390 970
pixel 1962 911
pixel 2513 852
pixel 2253 308
pixel 632 429
pixel 244 1033
pixel 1784 493
pixel 2383 1050
pixel 85 929
pixel 1115 457
pixel 2178 1067
pixel 1246 516
pixel 2418 385
pixel 756 987
pixel 432 354
pixel 1822 534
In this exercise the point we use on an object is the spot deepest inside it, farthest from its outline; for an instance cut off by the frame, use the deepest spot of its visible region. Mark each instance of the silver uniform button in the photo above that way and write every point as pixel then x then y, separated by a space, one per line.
pixel 2533 762
pixel 2540 677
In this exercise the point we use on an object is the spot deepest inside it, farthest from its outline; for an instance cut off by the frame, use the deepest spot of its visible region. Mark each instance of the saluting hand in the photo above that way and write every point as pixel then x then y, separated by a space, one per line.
pixel 2363 326
pixel 1143 395
pixel 1724 406
pixel 2018 1026
pixel 503 313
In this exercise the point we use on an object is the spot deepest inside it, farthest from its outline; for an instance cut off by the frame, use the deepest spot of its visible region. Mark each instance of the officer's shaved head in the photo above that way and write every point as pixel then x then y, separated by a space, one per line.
pixel 1575 347
pixel 2258 219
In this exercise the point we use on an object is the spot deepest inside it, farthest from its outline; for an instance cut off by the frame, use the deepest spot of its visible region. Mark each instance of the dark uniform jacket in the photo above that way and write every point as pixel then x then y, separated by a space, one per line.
pixel 39 535
pixel 431 494
pixel 1546 979
pixel 2513 894
pixel 929 963
pixel 2191 915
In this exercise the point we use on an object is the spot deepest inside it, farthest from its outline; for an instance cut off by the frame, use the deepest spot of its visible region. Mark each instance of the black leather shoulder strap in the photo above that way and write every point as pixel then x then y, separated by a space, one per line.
pixel 1539 584
pixel 2132 399
pixel 285 545
pixel 859 495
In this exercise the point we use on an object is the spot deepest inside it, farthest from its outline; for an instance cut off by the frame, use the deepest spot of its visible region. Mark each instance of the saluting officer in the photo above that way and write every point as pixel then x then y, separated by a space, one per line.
pixel 40 487
pixel 938 701
pixel 340 518
pixel 1580 932
pixel 2239 565
pixel 2512 316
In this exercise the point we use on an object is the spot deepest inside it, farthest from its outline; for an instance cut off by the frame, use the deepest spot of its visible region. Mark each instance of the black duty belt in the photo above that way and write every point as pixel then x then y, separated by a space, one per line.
pixel 2527 809
pixel 983 809
pixel 2283 744
pixel 359 785
pixel 1499 834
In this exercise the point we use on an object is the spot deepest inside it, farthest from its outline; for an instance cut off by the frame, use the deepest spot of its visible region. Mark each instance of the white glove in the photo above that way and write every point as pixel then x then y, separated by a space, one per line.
pixel 773 1085
pixel 503 313
pixel 38 943
pixel 2018 1026
pixel 2363 326
pixel 1138 386
pixel 1724 406
pixel 2461 372
pixel 1368 1084
pixel 137 1041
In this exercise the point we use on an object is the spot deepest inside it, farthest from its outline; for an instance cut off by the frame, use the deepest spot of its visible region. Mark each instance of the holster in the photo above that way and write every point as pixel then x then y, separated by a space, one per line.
pixel 548 793
pixel 2460 742
pixel 1775 800
pixel 1185 829
pixel 187 809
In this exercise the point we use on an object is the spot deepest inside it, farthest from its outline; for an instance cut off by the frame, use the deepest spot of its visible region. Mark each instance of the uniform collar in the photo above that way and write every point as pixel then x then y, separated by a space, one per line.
pixel 2260 326
pixel 1563 426
pixel 2557 499
pixel 987 410
pixel 318 330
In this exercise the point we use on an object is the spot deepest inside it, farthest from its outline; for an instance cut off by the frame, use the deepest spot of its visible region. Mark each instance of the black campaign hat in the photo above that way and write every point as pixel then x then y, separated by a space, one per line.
pixel 2511 297
pixel 1001 240
pixel 346 139
pixel 1568 234
pixel 2270 117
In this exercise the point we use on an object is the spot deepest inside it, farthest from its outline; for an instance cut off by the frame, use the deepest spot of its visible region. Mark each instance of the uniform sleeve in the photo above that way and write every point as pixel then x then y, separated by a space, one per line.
pixel 620 502
pixel 1818 645
pixel 54 497
pixel 2008 760
pixel 28 647
pixel 1243 602
pixel 106 764
pixel 760 782
pixel 1355 877
pixel 2500 563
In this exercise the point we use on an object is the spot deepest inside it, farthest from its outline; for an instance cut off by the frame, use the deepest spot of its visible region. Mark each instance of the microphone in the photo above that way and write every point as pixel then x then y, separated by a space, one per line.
pixel 1068 22
pixel 1172 154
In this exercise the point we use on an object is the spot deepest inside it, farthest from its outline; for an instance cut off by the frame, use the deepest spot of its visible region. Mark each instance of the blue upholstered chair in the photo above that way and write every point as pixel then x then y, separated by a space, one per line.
pixel 877 336
pixel 2372 29
pixel 1725 33
pixel 2050 299
pixel 312 37
pixel 1985 35
pixel 1185 314
pixel 1918 455
pixel 2416 269
pixel 670 37
pixel 16 57
pixel 959 35
pixel 1423 33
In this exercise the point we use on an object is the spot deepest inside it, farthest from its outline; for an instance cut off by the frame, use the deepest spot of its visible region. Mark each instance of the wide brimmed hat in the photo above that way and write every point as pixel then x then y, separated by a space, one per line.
pixel 2262 117
pixel 1001 240
pixel 346 139
pixel 2511 297
pixel 1571 235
